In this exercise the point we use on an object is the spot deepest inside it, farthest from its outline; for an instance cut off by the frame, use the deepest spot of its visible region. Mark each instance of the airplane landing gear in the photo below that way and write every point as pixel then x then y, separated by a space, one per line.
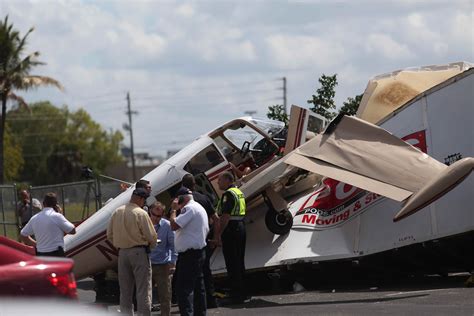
pixel 278 223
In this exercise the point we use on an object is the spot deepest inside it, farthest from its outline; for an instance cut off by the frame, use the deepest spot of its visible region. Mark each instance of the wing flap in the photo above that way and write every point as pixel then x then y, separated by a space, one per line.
pixel 335 172
pixel 368 150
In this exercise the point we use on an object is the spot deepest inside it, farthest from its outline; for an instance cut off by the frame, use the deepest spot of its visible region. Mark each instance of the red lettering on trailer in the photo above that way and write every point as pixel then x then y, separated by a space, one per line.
pixel 417 140
pixel 107 250
pixel 357 206
pixel 308 219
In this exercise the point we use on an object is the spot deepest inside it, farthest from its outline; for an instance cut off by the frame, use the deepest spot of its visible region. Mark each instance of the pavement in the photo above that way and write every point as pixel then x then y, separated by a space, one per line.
pixel 431 295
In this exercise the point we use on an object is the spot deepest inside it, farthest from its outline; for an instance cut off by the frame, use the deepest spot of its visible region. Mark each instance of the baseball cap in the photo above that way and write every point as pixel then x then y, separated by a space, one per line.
pixel 141 192
pixel 183 191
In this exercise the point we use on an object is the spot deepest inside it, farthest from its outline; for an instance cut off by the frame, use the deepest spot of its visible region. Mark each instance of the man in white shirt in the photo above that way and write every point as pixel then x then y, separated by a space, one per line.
pixel 49 227
pixel 191 228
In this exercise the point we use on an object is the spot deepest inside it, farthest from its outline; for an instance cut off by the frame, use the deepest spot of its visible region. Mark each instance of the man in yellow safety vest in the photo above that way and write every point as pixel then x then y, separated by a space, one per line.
pixel 231 210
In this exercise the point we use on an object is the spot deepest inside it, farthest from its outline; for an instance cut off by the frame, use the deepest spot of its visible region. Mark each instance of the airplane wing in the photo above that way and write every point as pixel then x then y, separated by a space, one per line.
pixel 364 155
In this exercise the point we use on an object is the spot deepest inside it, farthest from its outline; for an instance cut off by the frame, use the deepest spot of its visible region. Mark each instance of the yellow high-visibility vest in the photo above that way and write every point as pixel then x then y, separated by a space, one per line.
pixel 239 206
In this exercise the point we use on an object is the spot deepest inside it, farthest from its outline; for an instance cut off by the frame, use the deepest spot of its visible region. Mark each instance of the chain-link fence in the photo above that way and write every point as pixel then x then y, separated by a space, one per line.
pixel 79 200
pixel 9 223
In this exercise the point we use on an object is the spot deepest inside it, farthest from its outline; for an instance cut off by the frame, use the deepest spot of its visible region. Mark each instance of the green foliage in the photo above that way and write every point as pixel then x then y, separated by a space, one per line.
pixel 351 105
pixel 57 143
pixel 15 68
pixel 323 100
pixel 277 112
pixel 13 157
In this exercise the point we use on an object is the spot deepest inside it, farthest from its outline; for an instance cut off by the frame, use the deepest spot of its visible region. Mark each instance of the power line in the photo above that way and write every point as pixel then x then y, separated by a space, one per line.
pixel 236 102
pixel 97 96
pixel 214 94
pixel 37 119
pixel 206 86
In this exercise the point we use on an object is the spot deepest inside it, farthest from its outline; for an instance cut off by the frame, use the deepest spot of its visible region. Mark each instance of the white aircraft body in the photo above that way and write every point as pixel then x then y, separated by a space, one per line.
pixel 297 215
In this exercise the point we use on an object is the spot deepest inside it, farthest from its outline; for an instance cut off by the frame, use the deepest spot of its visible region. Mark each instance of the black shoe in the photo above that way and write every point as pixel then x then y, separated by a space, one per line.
pixel 234 300
pixel 212 303
pixel 155 308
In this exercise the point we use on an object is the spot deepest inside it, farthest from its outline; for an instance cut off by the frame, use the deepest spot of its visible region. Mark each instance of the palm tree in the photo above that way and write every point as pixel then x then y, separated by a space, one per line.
pixel 15 74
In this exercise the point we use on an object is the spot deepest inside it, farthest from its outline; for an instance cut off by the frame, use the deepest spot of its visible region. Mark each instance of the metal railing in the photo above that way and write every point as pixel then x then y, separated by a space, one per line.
pixel 79 200
pixel 9 222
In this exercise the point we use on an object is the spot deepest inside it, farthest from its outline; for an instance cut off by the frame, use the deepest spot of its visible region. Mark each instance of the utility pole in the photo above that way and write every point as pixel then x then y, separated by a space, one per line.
pixel 284 95
pixel 130 129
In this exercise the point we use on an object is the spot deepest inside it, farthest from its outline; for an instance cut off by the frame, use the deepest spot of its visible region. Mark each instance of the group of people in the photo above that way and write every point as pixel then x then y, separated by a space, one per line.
pixel 152 247
pixel 154 244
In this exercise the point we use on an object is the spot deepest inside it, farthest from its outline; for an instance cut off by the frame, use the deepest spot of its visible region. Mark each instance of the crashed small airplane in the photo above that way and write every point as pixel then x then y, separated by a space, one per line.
pixel 330 192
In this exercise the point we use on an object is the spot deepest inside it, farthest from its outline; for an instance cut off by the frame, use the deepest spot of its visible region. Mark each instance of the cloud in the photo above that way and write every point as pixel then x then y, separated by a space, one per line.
pixel 385 46
pixel 185 10
pixel 208 62
pixel 295 52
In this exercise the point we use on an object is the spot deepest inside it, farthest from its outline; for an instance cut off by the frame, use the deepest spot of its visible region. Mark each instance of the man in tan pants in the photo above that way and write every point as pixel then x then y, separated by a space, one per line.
pixel 163 257
pixel 131 231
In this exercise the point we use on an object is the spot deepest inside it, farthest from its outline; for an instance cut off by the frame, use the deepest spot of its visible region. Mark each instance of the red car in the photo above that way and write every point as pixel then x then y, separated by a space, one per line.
pixel 24 274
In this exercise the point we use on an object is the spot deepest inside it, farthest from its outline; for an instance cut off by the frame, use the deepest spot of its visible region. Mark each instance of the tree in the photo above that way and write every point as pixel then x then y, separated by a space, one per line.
pixel 351 105
pixel 323 100
pixel 57 143
pixel 15 74
pixel 13 157
pixel 277 112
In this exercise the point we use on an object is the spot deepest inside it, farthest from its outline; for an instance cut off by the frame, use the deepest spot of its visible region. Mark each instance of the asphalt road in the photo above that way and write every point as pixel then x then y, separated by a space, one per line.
pixel 424 296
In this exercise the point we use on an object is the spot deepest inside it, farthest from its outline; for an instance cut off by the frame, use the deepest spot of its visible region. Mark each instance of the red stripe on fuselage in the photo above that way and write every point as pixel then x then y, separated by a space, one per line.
pixel 299 128
pixel 86 244
pixel 216 173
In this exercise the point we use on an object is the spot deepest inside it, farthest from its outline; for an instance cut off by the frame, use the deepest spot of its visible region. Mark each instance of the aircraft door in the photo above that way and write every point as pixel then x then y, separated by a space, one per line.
pixel 303 124
pixel 210 162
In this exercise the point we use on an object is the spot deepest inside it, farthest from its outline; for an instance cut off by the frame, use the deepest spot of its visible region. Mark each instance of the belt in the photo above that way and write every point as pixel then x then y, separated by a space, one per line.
pixel 189 251
pixel 237 218
pixel 139 246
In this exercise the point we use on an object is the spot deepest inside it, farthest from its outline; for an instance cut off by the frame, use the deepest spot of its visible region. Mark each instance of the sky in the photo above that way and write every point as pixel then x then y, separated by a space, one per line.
pixel 191 66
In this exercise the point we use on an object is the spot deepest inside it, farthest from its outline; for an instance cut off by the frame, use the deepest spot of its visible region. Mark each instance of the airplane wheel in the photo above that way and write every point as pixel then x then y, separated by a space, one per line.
pixel 279 223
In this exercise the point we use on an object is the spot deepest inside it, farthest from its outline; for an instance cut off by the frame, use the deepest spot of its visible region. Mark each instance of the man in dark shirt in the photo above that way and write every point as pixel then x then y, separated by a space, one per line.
pixel 189 182
pixel 231 210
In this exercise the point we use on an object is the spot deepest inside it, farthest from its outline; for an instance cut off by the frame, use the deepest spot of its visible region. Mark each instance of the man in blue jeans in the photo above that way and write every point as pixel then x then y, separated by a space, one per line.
pixel 191 228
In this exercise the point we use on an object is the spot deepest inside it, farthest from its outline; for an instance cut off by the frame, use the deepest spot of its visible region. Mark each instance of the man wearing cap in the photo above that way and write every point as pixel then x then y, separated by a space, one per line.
pixel 145 184
pixel 231 209
pixel 189 182
pixel 131 231
pixel 191 228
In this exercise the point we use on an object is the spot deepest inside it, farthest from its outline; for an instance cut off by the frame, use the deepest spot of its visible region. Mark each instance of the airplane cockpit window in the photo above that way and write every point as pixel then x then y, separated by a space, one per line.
pixel 206 159
pixel 249 143
pixel 270 127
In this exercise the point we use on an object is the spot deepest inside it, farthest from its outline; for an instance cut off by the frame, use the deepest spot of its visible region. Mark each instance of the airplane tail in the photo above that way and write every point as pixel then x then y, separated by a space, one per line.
pixel 444 182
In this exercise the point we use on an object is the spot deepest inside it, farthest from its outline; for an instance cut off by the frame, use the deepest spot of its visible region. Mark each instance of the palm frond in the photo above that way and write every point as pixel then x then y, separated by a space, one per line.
pixel 29 82
pixel 21 102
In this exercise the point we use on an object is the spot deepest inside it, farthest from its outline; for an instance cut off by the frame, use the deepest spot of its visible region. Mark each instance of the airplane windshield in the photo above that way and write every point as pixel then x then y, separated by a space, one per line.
pixel 270 127
pixel 243 134
pixel 249 143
